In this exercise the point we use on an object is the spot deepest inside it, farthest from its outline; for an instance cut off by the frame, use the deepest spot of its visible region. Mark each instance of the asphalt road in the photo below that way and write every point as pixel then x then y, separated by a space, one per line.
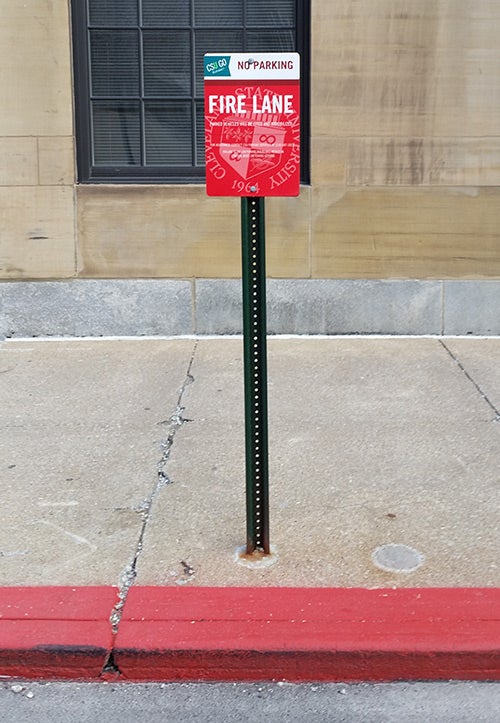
pixel 54 702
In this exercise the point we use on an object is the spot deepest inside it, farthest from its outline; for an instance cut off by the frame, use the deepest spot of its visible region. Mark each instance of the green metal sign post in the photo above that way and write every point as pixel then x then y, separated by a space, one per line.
pixel 253 236
pixel 252 150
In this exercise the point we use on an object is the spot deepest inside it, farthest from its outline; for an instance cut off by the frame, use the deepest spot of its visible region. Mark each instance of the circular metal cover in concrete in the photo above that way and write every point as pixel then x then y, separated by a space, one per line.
pixel 397 558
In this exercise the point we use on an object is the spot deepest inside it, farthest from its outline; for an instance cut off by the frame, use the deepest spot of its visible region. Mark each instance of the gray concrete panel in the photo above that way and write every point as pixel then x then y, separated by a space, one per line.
pixel 81 435
pixel 372 443
pixel 164 307
pixel 315 306
pixel 219 307
pixel 471 307
pixel 354 307
pixel 125 457
pixel 96 308
pixel 475 358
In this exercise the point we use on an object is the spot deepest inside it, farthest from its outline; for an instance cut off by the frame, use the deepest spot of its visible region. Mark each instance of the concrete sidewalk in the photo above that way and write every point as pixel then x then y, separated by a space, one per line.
pixel 122 463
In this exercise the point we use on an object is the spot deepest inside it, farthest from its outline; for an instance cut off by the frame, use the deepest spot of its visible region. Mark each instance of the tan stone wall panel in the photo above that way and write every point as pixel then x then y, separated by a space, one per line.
pixel 406 233
pixel 329 160
pixel 401 68
pixel 35 75
pixel 18 162
pixel 36 232
pixel 424 161
pixel 288 236
pixel 56 161
pixel 180 232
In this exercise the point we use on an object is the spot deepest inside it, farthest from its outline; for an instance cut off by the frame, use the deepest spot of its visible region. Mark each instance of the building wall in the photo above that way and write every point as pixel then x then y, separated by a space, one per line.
pixel 405 165
pixel 37 231
pixel 406 97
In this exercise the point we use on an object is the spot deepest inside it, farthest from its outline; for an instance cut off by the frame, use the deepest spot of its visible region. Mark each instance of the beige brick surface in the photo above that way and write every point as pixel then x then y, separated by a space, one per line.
pixel 18 162
pixel 180 232
pixel 56 160
pixel 406 233
pixel 35 75
pixel 36 232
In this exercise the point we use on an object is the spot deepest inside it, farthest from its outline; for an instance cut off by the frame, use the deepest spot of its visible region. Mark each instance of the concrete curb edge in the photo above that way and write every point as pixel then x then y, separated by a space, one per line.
pixel 251 634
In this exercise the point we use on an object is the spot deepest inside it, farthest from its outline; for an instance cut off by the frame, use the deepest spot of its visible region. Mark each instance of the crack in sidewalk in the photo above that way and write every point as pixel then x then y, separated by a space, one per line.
pixel 129 574
pixel 473 381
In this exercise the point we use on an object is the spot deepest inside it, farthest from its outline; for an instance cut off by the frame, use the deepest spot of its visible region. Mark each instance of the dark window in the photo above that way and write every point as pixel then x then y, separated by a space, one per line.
pixel 139 79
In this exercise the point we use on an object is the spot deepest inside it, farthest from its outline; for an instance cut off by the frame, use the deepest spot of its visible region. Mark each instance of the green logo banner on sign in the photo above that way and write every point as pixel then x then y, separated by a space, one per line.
pixel 217 66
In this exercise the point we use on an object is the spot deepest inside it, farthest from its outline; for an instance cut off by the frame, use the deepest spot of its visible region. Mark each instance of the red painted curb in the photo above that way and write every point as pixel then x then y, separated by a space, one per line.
pixel 296 634
pixel 55 632
pixel 303 634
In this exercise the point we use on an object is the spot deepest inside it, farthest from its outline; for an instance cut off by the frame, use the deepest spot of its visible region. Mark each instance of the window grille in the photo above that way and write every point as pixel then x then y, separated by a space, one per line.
pixel 139 79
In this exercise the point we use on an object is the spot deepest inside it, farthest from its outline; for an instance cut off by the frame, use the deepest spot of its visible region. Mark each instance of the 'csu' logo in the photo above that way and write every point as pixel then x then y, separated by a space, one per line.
pixel 217 65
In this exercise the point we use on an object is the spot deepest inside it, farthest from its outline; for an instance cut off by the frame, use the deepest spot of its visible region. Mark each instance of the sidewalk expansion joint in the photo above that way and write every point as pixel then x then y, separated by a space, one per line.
pixel 175 422
pixel 488 401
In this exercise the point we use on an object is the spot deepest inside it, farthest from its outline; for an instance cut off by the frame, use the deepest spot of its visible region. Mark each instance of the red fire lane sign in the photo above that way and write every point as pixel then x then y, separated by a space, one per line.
pixel 252 124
